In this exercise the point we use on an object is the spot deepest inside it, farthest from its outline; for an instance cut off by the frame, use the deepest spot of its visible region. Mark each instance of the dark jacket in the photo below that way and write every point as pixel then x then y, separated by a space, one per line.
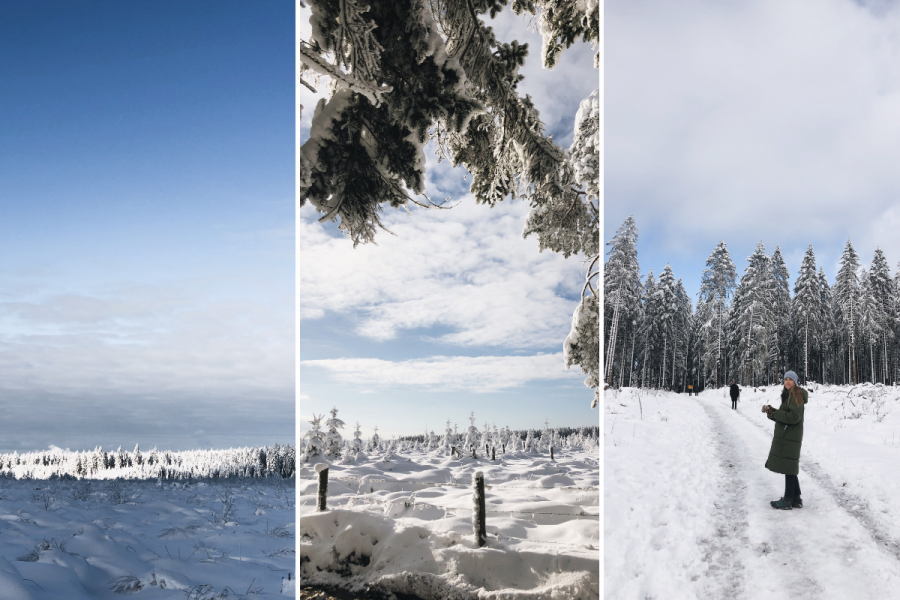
pixel 784 455
pixel 735 391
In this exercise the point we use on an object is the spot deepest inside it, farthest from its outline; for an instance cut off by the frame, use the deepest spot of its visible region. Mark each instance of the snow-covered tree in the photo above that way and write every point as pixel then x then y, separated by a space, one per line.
pixel 333 437
pixel 449 439
pixel 622 291
pixel 716 287
pixel 406 72
pixel 780 335
pixel 357 444
pixel 648 327
pixel 806 309
pixel 471 433
pixel 375 441
pixel 870 319
pixel 882 289
pixel 752 320
pixel 846 294
pixel 316 442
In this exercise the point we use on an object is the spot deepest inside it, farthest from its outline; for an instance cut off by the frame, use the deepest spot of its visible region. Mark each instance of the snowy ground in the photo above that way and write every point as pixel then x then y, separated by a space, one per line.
pixel 686 494
pixel 80 540
pixel 406 526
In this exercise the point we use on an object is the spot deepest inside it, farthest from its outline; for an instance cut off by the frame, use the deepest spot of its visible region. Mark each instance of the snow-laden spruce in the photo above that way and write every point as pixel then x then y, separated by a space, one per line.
pixel 367 139
pixel 332 437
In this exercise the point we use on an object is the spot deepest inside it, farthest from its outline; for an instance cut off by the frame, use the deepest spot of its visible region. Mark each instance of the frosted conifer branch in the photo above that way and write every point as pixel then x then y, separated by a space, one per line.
pixel 373 92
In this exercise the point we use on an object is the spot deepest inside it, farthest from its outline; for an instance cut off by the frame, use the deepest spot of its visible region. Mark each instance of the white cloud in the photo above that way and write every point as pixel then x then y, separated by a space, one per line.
pixel 147 341
pixel 446 373
pixel 466 268
pixel 776 118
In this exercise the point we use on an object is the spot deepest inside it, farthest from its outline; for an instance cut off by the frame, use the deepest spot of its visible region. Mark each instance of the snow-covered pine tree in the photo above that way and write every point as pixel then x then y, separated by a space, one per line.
pixel 471 433
pixel 316 442
pixel 448 442
pixel 882 287
pixel 830 333
pixel 806 309
pixel 333 437
pixel 648 328
pixel 404 72
pixel 780 336
pixel 622 291
pixel 869 320
pixel 716 287
pixel 347 455
pixel 894 364
pixel 357 444
pixel 665 310
pixel 529 441
pixel 561 22
pixel 375 442
pixel 582 346
pixel 751 321
pixel 846 294
pixel 683 329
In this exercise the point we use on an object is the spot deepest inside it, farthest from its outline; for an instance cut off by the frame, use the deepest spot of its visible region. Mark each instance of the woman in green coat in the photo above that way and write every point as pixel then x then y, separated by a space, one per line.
pixel 784 456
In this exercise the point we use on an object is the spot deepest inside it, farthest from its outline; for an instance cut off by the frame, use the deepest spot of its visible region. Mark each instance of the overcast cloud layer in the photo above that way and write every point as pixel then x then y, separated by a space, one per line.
pixel 746 121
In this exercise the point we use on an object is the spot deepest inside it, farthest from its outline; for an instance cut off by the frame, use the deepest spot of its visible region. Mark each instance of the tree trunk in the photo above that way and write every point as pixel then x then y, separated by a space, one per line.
pixel 631 362
pixel 662 375
pixel 806 352
pixel 749 338
pixel 719 350
pixel 611 350
pixel 852 345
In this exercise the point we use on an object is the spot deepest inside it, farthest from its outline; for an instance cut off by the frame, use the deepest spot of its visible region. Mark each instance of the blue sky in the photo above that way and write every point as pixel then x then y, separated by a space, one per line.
pixel 749 121
pixel 146 264
pixel 457 313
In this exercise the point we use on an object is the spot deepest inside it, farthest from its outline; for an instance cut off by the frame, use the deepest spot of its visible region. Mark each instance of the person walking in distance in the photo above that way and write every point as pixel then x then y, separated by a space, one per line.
pixel 735 394
pixel 784 455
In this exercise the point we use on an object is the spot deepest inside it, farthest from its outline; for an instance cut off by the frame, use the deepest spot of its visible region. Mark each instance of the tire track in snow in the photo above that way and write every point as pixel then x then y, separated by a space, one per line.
pixel 786 540
pixel 723 552
pixel 854 506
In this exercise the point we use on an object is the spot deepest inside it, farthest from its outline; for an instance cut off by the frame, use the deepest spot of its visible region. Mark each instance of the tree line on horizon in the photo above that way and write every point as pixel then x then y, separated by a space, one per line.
pixel 275 461
pixel 750 330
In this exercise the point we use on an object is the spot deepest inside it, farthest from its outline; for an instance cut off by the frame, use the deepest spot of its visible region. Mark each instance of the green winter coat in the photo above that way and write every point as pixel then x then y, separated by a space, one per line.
pixel 784 456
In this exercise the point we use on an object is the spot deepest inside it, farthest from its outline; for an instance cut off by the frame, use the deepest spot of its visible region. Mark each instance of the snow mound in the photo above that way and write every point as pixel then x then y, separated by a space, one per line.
pixel 371 551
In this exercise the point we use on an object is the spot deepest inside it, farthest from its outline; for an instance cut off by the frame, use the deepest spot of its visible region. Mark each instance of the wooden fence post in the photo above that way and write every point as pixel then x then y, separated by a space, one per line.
pixel 322 470
pixel 478 513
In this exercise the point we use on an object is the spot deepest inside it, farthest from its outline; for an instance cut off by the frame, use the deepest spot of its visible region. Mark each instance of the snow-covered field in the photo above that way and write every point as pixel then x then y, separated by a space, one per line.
pixel 201 539
pixel 686 495
pixel 405 526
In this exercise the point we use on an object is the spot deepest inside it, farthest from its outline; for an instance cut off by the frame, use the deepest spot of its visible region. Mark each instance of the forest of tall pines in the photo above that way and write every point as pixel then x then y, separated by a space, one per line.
pixel 752 329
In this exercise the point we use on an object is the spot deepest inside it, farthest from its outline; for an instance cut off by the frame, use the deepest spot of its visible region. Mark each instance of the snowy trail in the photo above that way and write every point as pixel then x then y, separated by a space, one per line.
pixel 822 551
pixel 855 506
